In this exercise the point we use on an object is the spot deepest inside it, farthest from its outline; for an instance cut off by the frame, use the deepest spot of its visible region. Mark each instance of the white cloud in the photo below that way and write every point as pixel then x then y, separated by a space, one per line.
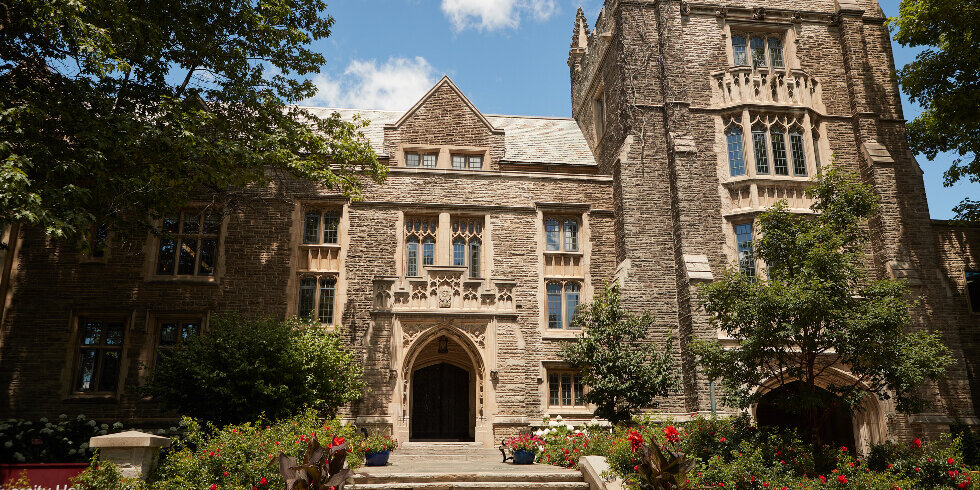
pixel 495 14
pixel 393 85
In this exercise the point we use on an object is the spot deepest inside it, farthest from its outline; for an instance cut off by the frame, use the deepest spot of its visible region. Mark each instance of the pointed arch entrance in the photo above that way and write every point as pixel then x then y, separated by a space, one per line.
pixel 445 384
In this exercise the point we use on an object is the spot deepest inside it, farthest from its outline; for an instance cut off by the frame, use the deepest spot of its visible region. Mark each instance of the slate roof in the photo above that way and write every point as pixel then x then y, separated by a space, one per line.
pixel 527 139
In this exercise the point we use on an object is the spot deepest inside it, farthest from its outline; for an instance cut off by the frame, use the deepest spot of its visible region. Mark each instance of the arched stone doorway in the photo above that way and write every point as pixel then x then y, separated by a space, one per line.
pixel 445 377
pixel 783 407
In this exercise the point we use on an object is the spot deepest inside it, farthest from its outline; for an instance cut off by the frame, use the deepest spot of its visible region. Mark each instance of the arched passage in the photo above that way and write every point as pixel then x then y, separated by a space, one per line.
pixel 783 407
pixel 445 386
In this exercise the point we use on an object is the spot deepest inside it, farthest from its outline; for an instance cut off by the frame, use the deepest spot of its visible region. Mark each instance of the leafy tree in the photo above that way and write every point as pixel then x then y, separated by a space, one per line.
pixel 622 368
pixel 118 110
pixel 816 309
pixel 243 368
pixel 943 79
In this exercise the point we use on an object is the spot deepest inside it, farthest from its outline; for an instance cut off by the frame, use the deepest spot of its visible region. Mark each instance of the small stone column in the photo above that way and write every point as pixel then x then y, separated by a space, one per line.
pixel 133 452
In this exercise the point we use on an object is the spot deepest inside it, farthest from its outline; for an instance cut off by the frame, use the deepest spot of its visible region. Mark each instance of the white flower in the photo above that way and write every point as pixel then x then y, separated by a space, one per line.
pixel 578 431
pixel 570 427
pixel 552 423
pixel 558 418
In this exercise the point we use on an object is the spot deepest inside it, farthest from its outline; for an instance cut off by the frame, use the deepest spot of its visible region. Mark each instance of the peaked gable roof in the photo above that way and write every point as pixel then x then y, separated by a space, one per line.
pixel 446 81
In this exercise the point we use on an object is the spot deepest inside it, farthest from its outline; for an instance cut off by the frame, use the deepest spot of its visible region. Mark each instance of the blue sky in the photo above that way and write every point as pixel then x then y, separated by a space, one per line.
pixel 508 56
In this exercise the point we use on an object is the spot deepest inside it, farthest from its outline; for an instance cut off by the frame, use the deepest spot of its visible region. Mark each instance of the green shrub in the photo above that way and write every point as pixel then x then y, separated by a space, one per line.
pixel 64 440
pixel 231 457
pixel 243 368
pixel 564 444
pixel 103 475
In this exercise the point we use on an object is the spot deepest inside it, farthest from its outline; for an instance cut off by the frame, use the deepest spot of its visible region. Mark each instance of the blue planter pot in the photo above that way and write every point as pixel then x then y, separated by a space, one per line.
pixel 523 456
pixel 376 459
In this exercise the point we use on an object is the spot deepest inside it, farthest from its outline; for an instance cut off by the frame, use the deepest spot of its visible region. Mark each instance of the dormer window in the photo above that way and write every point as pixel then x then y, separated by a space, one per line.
pixel 411 159
pixel 429 160
pixel 471 162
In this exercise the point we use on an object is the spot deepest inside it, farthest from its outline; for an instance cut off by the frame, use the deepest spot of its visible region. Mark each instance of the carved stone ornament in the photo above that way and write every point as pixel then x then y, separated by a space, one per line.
pixel 685 9
pixel 445 296
pixel 759 13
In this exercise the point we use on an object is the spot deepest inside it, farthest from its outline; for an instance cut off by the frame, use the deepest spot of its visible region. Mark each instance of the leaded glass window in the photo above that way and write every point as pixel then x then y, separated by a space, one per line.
pixel 571 235
pixel 314 221
pixel 420 243
pixel 459 161
pixel 799 152
pixel 758 51
pixel 428 251
pixel 739 52
pixel 474 258
pixel 412 257
pixel 746 257
pixel 778 138
pixel 311 227
pixel 459 252
pixel 551 232
pixel 565 388
pixel 761 150
pixel 572 299
pixel 554 305
pixel 429 161
pixel 189 245
pixel 331 227
pixel 99 355
pixel 475 162
pixel 467 235
pixel 776 52
pixel 307 297
pixel 325 307
pixel 176 332
pixel 736 153
pixel 412 159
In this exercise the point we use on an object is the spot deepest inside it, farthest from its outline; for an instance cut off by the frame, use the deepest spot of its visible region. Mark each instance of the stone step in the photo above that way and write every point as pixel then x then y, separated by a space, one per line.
pixel 486 477
pixel 474 486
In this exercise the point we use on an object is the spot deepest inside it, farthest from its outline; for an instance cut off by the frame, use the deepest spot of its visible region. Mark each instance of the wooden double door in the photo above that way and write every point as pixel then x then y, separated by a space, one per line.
pixel 440 404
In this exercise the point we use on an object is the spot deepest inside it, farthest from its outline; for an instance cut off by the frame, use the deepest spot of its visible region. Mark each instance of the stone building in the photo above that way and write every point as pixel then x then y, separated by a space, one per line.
pixel 456 279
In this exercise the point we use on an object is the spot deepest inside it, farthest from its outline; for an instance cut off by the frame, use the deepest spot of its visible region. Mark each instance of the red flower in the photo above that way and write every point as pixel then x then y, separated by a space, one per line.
pixel 823 479
pixel 263 481
pixel 671 433
pixel 950 461
pixel 635 439
pixel 722 439
pixel 842 479
pixel 225 474
pixel 214 486
pixel 916 442
pixel 338 441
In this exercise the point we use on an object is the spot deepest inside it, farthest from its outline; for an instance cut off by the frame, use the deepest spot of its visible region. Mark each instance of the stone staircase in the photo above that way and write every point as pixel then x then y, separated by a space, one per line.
pixel 462 465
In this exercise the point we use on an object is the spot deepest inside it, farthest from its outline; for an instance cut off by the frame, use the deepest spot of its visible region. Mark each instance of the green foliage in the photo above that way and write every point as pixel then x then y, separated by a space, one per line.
pixel 103 475
pixel 564 444
pixel 817 309
pixel 663 468
pixel 943 80
pixel 243 368
pixel 378 443
pixel 321 468
pixel 115 111
pixel 64 440
pixel 623 370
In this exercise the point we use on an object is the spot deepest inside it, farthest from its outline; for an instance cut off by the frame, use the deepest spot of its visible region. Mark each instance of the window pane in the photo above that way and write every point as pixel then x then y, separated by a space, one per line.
pixel 311 227
pixel 551 234
pixel 554 305
pixel 758 52
pixel 738 50
pixel 429 161
pixel 192 223
pixel 459 161
pixel 188 251
pixel 411 159
pixel 114 334
pixel 553 389
pixel 331 228
pixel 566 390
pixel 736 156
pixel 746 259
pixel 327 287
pixel 973 289
pixel 86 369
pixel 109 370
pixel 459 252
pixel 428 251
pixel 165 256
pixel 307 288
pixel 212 224
pixel 779 151
pixel 170 224
pixel 799 153
pixel 579 391
pixel 571 302
pixel 412 257
pixel 99 240
pixel 209 252
pixel 189 329
pixel 571 235
pixel 776 52
pixel 761 151
pixel 475 161
pixel 92 335
pixel 474 258
pixel 168 334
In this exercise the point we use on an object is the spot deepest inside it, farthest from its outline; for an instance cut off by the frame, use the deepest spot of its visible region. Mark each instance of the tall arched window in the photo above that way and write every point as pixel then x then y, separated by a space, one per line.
pixel 798 151
pixel 474 258
pixel 761 149
pixel 552 239
pixel 327 294
pixel 412 257
pixel 736 153
pixel 571 235
pixel 554 305
pixel 778 138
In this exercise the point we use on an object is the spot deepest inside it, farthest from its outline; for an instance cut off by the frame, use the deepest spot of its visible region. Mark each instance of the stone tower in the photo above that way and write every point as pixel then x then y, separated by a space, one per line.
pixel 706 114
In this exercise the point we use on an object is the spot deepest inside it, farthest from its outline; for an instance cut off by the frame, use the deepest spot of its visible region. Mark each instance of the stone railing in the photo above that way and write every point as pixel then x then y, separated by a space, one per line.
pixel 443 288
pixel 742 85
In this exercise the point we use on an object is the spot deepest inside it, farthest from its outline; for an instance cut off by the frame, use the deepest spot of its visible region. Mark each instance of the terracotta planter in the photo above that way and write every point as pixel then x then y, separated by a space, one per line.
pixel 43 475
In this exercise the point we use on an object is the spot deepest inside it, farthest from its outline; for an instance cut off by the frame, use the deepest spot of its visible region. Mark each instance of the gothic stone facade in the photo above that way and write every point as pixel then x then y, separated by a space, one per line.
pixel 456 277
